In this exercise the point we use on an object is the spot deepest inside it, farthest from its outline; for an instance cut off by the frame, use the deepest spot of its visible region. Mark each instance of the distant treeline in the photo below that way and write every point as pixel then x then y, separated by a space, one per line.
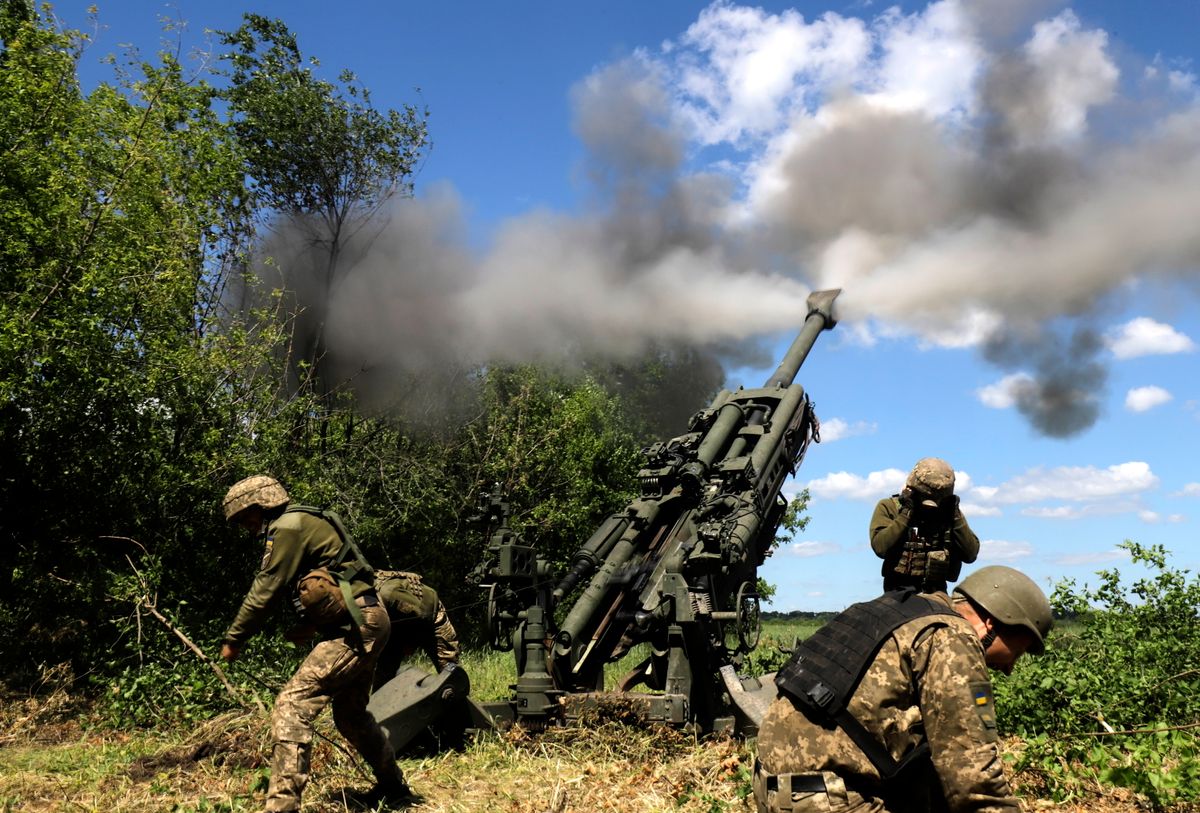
pixel 797 615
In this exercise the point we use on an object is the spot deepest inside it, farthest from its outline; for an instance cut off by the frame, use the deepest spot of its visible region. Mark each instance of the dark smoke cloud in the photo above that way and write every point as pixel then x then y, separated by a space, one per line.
pixel 1062 397
pixel 646 272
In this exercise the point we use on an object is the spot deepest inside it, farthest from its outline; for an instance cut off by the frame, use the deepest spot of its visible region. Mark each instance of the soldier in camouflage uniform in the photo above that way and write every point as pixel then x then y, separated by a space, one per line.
pixel 303 549
pixel 920 533
pixel 927 686
pixel 419 621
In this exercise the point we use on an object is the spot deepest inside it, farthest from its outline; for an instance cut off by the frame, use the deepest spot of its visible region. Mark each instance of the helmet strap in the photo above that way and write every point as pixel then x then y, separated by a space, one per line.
pixel 987 640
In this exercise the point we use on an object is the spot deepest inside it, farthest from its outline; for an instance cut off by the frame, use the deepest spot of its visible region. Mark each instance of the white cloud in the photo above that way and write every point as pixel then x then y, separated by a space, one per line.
pixel 999 550
pixel 968 331
pixel 1145 337
pixel 806 550
pixel 844 485
pixel 1141 399
pixel 972 509
pixel 1003 394
pixel 837 429
pixel 1106 508
pixel 1190 490
pixel 751 71
pixel 1076 74
pixel 1072 483
pixel 1097 558
pixel 931 60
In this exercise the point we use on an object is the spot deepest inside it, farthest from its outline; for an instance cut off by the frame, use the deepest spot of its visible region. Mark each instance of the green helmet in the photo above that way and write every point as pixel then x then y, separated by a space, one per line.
pixel 260 490
pixel 1011 598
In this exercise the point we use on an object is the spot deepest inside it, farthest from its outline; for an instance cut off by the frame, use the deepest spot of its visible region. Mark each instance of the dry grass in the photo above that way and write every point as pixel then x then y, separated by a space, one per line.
pixel 49 762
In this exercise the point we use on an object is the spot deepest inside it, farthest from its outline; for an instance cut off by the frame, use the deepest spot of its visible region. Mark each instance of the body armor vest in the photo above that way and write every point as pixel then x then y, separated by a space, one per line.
pixel 826 668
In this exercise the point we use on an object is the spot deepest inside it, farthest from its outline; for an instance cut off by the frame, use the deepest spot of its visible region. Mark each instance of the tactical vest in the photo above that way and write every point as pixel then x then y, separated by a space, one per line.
pixel 324 595
pixel 826 668
pixel 925 555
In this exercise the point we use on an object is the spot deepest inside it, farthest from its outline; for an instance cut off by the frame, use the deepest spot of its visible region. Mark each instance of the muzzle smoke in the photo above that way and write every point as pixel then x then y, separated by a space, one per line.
pixel 1018 177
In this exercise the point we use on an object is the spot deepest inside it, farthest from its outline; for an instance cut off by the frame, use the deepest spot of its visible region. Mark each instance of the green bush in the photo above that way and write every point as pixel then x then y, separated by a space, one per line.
pixel 1116 698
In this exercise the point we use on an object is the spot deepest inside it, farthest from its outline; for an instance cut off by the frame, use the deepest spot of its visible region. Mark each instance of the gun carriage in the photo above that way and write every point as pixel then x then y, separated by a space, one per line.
pixel 676 570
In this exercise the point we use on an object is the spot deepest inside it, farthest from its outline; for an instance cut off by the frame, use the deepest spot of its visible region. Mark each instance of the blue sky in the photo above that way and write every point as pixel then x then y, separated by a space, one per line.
pixel 1007 191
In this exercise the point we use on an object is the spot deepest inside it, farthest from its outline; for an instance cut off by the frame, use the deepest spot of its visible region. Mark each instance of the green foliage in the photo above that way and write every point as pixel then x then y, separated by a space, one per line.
pixel 1117 694
pixel 119 212
pixel 321 158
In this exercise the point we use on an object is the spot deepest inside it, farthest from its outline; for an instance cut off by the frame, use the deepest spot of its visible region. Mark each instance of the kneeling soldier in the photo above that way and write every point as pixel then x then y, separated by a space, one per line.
pixel 888 707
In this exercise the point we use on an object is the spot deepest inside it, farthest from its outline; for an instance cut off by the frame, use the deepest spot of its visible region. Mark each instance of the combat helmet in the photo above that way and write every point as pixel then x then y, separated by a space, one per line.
pixel 1011 598
pixel 260 490
pixel 932 477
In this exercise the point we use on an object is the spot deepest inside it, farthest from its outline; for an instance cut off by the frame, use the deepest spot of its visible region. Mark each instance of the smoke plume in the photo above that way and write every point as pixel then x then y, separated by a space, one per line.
pixel 973 163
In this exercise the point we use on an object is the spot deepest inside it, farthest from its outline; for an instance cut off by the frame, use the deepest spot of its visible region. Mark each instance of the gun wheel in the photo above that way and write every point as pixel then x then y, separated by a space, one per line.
pixel 749 622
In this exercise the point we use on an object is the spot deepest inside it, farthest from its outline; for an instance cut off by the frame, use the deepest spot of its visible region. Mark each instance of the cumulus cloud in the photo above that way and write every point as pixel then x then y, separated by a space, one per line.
pixel 1093 558
pixel 1144 336
pixel 999 550
pixel 974 509
pixel 838 429
pixel 806 550
pixel 1072 483
pixel 1003 394
pixel 1189 490
pixel 1141 399
pixel 844 485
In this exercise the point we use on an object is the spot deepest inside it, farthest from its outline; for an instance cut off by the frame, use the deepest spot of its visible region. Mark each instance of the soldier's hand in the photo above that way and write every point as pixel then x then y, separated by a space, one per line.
pixel 301 633
pixel 906 500
pixel 230 652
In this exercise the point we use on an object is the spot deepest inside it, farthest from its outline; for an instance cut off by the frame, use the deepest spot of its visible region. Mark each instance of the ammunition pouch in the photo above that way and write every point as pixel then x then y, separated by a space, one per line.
pixel 321 599
pixel 927 560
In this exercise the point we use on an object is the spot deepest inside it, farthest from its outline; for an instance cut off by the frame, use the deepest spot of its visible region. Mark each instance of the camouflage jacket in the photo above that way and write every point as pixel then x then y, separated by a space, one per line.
pixel 891 528
pixel 295 543
pixel 928 683
pixel 419 619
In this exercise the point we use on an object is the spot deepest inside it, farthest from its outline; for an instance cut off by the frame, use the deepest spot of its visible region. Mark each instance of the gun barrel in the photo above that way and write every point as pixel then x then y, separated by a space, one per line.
pixel 820 317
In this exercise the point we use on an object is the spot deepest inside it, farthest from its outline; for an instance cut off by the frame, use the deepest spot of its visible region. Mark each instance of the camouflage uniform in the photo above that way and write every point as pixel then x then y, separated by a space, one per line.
pixel 419 620
pixel 339 668
pixel 929 682
pixel 920 557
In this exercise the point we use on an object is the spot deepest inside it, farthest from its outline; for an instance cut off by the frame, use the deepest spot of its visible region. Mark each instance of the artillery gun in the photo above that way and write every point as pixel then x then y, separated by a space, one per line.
pixel 676 570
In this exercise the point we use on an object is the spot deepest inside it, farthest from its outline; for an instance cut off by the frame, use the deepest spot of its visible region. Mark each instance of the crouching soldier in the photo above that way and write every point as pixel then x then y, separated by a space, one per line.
pixel 888 708
pixel 419 621
pixel 310 560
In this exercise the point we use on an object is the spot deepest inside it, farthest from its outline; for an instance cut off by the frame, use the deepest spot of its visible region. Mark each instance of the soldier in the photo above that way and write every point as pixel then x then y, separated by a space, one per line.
pixel 310 559
pixel 419 620
pixel 917 731
pixel 920 533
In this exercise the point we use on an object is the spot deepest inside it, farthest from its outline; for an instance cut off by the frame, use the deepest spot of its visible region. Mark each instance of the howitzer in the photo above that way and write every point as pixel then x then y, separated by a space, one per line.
pixel 676 570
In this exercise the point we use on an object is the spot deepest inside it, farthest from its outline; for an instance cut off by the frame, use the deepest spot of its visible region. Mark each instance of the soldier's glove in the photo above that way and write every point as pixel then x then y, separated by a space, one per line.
pixel 906 500
pixel 948 508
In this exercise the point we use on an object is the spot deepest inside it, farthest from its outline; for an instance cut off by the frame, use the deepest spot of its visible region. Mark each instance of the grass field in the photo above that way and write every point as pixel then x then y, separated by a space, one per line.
pixel 52 760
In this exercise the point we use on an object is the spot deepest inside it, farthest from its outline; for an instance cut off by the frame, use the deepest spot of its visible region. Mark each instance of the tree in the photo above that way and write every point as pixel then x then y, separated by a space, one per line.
pixel 321 158
pixel 119 213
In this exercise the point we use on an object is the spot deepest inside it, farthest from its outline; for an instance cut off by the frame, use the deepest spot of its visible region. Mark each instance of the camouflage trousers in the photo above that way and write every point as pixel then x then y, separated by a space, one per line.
pixel 820 792
pixel 439 642
pixel 338 670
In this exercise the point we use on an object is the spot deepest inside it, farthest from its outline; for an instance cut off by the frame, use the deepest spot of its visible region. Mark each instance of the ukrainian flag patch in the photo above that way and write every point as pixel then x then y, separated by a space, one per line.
pixel 981 697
